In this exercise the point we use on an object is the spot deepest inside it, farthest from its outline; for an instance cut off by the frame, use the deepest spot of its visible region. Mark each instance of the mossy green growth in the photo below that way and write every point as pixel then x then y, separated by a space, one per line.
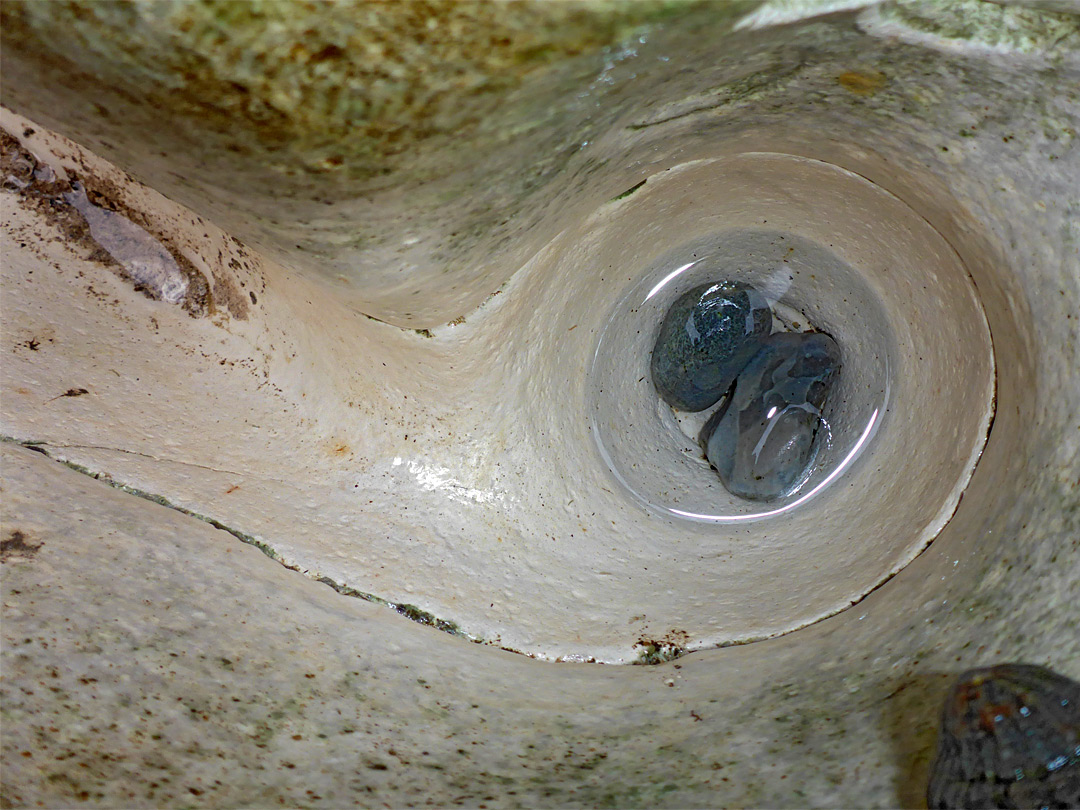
pixel 423 617
pixel 344 86
pixel 629 191
pixel 989 25
pixel 658 652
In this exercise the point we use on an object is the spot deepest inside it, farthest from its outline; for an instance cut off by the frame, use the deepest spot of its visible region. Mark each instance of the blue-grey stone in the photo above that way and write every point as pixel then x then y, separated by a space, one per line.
pixel 1010 737
pixel 761 440
pixel 708 335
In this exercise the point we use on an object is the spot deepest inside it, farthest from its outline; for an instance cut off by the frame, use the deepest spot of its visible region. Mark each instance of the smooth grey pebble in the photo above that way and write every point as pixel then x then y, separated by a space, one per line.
pixel 762 439
pixel 708 335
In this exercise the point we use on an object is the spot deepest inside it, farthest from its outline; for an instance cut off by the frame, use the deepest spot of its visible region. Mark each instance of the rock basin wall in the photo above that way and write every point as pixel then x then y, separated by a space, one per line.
pixel 434 471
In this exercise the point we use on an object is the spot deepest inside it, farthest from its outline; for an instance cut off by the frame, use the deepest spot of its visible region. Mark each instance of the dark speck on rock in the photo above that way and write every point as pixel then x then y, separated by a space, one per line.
pixel 16 546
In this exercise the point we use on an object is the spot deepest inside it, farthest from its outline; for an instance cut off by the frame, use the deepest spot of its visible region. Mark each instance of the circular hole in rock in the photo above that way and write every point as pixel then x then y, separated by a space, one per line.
pixel 808 287
pixel 907 418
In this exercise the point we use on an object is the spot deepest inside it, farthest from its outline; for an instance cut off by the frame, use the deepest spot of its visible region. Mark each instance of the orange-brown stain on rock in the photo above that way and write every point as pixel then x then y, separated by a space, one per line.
pixel 226 291
pixel 863 84
pixel 338 449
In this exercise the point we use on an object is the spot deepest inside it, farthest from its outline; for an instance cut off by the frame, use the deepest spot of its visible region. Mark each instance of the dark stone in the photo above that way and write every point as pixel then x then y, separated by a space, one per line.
pixel 708 335
pixel 1010 737
pixel 762 439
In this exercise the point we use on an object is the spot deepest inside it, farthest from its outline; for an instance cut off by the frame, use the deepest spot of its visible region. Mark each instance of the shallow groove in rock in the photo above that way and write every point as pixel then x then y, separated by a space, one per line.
pixel 411 612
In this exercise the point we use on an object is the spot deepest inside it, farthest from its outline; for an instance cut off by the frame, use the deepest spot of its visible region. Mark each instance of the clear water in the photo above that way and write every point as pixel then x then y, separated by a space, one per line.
pixel 652 450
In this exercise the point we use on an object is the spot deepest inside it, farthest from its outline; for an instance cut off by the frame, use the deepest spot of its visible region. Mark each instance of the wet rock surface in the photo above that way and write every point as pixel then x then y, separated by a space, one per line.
pixel 762 439
pixel 1010 737
pixel 89 213
pixel 707 337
